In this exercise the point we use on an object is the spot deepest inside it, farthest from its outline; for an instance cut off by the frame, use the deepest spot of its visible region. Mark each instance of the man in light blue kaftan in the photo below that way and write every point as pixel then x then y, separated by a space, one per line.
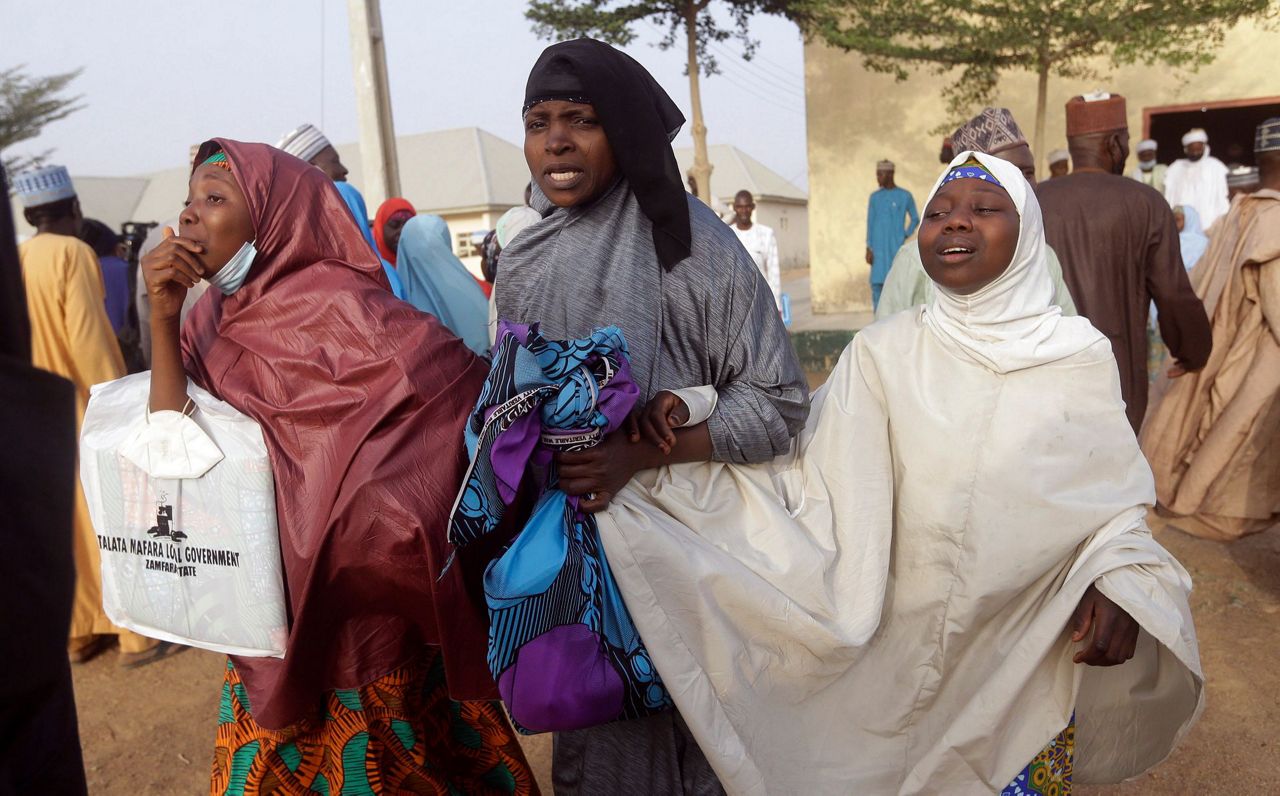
pixel 889 209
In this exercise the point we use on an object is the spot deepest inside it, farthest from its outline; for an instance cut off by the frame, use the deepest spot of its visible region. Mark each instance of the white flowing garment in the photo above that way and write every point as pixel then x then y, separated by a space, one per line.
pixel 885 610
pixel 1202 184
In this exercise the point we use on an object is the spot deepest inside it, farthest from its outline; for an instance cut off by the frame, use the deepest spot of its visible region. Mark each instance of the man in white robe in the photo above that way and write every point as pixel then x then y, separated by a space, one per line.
pixel 1199 179
pixel 1149 171
pixel 759 241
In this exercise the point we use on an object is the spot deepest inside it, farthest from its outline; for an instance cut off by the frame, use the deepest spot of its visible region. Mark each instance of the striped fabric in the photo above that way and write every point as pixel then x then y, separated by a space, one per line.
pixel 304 143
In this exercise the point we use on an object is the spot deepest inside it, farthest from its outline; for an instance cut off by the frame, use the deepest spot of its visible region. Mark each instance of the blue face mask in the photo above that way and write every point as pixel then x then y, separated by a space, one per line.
pixel 231 276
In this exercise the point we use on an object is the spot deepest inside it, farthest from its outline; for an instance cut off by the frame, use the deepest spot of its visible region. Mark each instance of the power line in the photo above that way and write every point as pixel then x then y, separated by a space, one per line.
pixel 784 103
pixel 782 82
pixel 778 103
pixel 322 120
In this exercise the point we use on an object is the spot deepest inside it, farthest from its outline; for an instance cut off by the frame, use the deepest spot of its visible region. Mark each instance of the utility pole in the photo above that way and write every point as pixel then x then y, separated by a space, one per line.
pixel 381 167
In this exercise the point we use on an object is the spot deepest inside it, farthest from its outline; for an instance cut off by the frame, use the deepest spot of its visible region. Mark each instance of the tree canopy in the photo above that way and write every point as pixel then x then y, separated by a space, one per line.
pixel 27 104
pixel 1062 38
pixel 612 21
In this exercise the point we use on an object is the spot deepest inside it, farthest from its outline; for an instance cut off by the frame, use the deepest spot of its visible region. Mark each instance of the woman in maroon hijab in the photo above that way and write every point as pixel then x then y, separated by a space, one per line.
pixel 361 400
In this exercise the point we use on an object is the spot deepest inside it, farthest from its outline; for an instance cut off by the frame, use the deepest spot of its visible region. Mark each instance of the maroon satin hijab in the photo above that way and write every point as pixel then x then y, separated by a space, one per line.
pixel 362 401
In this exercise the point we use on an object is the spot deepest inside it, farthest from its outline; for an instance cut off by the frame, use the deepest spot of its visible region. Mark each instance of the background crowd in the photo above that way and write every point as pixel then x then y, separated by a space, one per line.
pixel 1180 258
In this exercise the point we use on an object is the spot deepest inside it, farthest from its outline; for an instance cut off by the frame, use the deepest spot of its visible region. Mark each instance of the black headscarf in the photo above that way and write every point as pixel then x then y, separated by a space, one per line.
pixel 15 330
pixel 638 118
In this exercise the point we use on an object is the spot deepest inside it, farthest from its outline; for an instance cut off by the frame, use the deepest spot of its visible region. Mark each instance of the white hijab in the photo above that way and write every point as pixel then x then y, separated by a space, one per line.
pixel 1011 323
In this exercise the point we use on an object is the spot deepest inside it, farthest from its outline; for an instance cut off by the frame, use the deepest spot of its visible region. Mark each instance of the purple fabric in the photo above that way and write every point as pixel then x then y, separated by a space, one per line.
pixel 511 452
pixel 619 398
pixel 564 654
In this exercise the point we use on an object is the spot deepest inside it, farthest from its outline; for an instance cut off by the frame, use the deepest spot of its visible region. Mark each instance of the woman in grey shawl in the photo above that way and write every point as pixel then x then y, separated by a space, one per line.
pixel 621 243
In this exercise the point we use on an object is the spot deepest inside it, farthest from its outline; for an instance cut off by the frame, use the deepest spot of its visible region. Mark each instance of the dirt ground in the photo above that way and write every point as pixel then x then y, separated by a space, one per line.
pixel 150 731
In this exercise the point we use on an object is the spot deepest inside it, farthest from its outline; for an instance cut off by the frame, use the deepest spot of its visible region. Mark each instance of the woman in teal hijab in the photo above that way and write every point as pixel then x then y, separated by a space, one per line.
pixel 355 203
pixel 436 281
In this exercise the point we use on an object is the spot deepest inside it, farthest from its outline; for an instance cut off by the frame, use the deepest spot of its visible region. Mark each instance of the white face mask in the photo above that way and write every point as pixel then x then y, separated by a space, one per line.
pixel 1146 165
pixel 231 276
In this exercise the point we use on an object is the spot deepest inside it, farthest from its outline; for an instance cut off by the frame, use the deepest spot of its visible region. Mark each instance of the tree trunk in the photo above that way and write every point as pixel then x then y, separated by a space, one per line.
pixel 1042 98
pixel 701 163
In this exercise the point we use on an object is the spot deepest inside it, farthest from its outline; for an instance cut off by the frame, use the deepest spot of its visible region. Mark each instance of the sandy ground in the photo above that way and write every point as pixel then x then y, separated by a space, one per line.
pixel 150 731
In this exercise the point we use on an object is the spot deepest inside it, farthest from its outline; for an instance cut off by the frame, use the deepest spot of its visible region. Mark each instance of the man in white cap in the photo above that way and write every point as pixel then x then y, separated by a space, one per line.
pixel 309 144
pixel 71 336
pixel 1059 163
pixel 888 210
pixel 1242 179
pixel 1148 171
pixel 1199 179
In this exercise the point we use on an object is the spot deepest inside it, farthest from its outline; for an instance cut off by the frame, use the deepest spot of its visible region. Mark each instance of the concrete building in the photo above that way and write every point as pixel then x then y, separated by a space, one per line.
pixel 467 176
pixel 856 117
pixel 780 205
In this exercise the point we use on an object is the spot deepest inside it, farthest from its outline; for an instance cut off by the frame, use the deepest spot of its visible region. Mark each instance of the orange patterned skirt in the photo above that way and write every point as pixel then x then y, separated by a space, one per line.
pixel 399 734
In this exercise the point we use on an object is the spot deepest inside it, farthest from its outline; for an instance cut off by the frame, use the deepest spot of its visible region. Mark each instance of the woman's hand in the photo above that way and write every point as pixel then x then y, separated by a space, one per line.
pixel 1115 633
pixel 602 471
pixel 657 423
pixel 169 271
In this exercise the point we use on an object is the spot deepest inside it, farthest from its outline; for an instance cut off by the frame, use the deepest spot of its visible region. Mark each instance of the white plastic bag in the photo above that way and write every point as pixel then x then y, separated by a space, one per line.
pixel 185 513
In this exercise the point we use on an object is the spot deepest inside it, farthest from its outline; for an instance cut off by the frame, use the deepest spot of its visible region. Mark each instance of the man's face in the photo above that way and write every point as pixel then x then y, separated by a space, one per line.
pixel 884 177
pixel 1021 157
pixel 328 161
pixel 743 207
pixel 1147 156
pixel 568 152
pixel 1194 151
pixel 1060 168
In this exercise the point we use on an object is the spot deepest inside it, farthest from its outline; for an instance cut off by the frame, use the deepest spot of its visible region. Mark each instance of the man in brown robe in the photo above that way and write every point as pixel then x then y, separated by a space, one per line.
pixel 1213 439
pixel 1118 244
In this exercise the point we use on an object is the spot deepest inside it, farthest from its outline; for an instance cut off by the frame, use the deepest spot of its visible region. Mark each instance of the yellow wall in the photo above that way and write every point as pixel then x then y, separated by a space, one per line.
pixel 790 223
pixel 857 117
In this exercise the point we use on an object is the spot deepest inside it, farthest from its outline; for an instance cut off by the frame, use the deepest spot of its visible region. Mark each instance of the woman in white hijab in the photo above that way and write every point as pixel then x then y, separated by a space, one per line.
pixel 950 565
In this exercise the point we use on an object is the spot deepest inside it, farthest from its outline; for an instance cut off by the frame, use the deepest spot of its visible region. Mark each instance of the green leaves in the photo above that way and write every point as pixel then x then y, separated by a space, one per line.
pixel 613 21
pixel 29 103
pixel 987 37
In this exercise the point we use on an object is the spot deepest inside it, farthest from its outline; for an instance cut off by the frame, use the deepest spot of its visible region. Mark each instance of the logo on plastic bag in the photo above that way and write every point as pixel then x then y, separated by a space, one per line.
pixel 164 521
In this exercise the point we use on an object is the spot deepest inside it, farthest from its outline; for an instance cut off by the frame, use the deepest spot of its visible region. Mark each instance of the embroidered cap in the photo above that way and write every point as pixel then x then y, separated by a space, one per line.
pixel 304 143
pixel 43 186
pixel 1268 136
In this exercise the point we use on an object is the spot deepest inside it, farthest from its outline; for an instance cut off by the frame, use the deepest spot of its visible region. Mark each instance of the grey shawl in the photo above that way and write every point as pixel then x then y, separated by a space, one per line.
pixel 711 320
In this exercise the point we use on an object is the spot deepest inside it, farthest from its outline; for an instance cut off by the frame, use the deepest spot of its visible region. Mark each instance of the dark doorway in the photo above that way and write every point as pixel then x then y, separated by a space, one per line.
pixel 1230 125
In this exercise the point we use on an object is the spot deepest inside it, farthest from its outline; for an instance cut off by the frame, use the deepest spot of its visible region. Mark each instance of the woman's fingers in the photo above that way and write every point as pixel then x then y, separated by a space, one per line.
pixel 188 263
pixel 1082 619
pixel 179 276
pixel 599 502
pixel 652 433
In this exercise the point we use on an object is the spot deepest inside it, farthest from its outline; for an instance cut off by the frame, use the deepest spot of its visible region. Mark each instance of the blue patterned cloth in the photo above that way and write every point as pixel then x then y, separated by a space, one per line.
pixel 972 170
pixel 1049 773
pixel 562 646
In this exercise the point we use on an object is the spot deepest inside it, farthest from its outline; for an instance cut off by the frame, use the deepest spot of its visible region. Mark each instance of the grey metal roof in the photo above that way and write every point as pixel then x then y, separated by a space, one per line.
pixel 734 170
pixel 441 171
